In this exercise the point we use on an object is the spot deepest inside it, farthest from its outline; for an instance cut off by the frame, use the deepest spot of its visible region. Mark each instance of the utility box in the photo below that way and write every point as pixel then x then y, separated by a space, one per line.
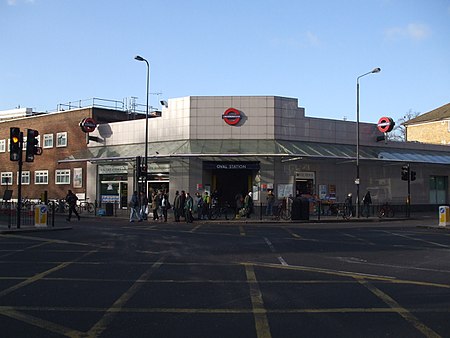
pixel 444 216
pixel 40 216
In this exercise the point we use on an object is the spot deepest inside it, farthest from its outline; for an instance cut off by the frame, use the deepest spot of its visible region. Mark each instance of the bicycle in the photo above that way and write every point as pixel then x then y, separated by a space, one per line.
pixel 386 211
pixel 345 211
pixel 218 212
pixel 85 206
pixel 282 212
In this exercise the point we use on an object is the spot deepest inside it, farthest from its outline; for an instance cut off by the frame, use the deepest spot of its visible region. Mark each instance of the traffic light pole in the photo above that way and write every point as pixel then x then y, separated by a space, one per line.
pixel 19 184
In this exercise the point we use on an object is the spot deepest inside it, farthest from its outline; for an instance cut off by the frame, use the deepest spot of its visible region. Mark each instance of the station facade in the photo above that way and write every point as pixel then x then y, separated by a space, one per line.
pixel 237 144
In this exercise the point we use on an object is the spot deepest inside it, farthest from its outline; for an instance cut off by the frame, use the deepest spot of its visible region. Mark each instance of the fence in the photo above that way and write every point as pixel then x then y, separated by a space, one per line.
pixel 11 218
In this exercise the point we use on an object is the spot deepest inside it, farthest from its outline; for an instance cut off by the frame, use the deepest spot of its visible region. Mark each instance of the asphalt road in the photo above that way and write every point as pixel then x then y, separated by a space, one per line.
pixel 111 278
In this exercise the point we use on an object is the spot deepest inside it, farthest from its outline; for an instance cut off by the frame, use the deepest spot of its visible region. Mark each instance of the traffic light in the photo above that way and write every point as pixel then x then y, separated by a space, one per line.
pixel 15 144
pixel 143 170
pixel 405 172
pixel 413 175
pixel 32 145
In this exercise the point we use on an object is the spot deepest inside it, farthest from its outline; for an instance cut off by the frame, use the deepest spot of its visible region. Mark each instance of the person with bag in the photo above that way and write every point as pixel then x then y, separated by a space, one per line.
pixel 134 208
pixel 144 205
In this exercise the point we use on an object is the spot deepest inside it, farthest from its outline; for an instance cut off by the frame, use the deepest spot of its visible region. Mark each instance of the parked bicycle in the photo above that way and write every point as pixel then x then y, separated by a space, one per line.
pixel 85 205
pixel 282 212
pixel 224 211
pixel 386 210
pixel 343 210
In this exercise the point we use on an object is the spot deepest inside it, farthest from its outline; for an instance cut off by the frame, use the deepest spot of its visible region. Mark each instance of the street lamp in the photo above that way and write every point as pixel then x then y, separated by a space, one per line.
pixel 140 58
pixel 375 70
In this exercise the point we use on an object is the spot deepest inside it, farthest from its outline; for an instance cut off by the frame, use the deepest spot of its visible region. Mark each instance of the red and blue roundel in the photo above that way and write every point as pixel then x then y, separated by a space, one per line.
pixel 232 116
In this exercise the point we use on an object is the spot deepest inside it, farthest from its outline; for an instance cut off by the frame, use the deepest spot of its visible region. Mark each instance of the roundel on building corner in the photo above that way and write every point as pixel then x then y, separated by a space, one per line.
pixel 88 125
pixel 385 124
pixel 232 116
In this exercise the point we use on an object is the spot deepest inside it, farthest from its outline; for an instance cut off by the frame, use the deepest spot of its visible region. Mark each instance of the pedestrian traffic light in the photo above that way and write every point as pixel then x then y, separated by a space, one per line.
pixel 413 175
pixel 15 144
pixel 32 145
pixel 405 172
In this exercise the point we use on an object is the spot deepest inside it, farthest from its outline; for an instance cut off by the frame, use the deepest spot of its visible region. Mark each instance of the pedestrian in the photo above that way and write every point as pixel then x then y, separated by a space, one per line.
pixel 182 203
pixel 71 200
pixel 367 201
pixel 165 205
pixel 176 206
pixel 135 207
pixel 206 205
pixel 143 201
pixel 199 203
pixel 348 205
pixel 239 202
pixel 270 202
pixel 248 204
pixel 188 208
pixel 155 206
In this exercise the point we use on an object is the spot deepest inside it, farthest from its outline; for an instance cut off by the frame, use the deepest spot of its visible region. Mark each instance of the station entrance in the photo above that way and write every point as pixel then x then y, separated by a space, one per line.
pixel 231 179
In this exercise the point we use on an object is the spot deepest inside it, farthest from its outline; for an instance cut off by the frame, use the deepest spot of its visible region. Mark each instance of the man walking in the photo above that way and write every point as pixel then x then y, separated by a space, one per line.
pixel 134 208
pixel 71 200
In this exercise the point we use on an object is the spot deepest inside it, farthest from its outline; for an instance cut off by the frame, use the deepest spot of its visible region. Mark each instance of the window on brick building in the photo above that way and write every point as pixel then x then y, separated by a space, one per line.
pixel 41 177
pixel 2 146
pixel 6 178
pixel 48 140
pixel 25 177
pixel 61 139
pixel 62 176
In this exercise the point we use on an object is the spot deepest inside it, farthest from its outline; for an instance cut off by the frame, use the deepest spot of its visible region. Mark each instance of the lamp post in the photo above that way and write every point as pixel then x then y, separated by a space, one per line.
pixel 357 181
pixel 140 58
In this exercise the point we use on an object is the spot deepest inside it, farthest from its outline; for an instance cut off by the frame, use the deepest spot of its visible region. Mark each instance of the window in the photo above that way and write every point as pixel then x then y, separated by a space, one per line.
pixel 48 140
pixel 2 146
pixel 25 177
pixel 41 177
pixel 6 178
pixel 62 176
pixel 61 139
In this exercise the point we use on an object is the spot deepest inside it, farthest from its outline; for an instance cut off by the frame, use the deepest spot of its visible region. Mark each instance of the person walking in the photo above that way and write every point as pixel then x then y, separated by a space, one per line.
pixel 165 205
pixel 199 203
pixel 248 204
pixel 134 208
pixel 367 201
pixel 270 202
pixel 206 205
pixel 143 201
pixel 155 206
pixel 188 208
pixel 176 206
pixel 71 200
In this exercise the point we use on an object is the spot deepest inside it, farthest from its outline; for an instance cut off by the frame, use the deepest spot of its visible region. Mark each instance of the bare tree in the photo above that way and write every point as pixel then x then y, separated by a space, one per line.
pixel 399 131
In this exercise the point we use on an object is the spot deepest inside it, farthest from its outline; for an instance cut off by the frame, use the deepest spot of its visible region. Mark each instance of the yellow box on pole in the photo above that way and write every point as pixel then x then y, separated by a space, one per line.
pixel 40 216
pixel 444 216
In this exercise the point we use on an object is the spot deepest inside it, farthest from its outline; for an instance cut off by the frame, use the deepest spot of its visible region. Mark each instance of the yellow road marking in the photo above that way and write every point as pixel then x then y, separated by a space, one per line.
pixel 107 318
pixel 44 324
pixel 241 230
pixel 400 310
pixel 259 312
pixel 41 275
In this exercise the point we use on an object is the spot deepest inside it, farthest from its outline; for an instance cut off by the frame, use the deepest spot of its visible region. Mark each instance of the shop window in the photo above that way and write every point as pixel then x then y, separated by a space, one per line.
pixel 41 177
pixel 61 139
pixel 48 140
pixel 25 177
pixel 438 189
pixel 2 146
pixel 6 178
pixel 62 176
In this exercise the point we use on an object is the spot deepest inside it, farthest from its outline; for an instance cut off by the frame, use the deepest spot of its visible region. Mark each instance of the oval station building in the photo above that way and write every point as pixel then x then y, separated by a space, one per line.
pixel 237 144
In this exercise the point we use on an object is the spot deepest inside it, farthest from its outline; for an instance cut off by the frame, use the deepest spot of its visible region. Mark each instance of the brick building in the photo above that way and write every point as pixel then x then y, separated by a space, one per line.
pixel 60 136
pixel 432 127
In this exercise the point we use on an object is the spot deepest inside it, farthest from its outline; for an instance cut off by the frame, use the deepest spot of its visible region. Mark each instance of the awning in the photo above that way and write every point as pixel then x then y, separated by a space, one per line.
pixel 257 148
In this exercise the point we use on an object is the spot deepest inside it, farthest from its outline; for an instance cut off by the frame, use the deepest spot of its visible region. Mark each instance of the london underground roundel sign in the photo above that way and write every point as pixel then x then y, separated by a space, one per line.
pixel 232 116
pixel 88 125
pixel 385 124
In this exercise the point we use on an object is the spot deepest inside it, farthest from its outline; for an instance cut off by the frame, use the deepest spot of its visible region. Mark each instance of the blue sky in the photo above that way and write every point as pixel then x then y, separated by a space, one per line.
pixel 55 51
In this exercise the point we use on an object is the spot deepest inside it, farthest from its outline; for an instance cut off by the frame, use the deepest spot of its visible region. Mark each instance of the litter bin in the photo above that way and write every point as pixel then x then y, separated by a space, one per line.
pixel 444 216
pixel 296 209
pixel 109 208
